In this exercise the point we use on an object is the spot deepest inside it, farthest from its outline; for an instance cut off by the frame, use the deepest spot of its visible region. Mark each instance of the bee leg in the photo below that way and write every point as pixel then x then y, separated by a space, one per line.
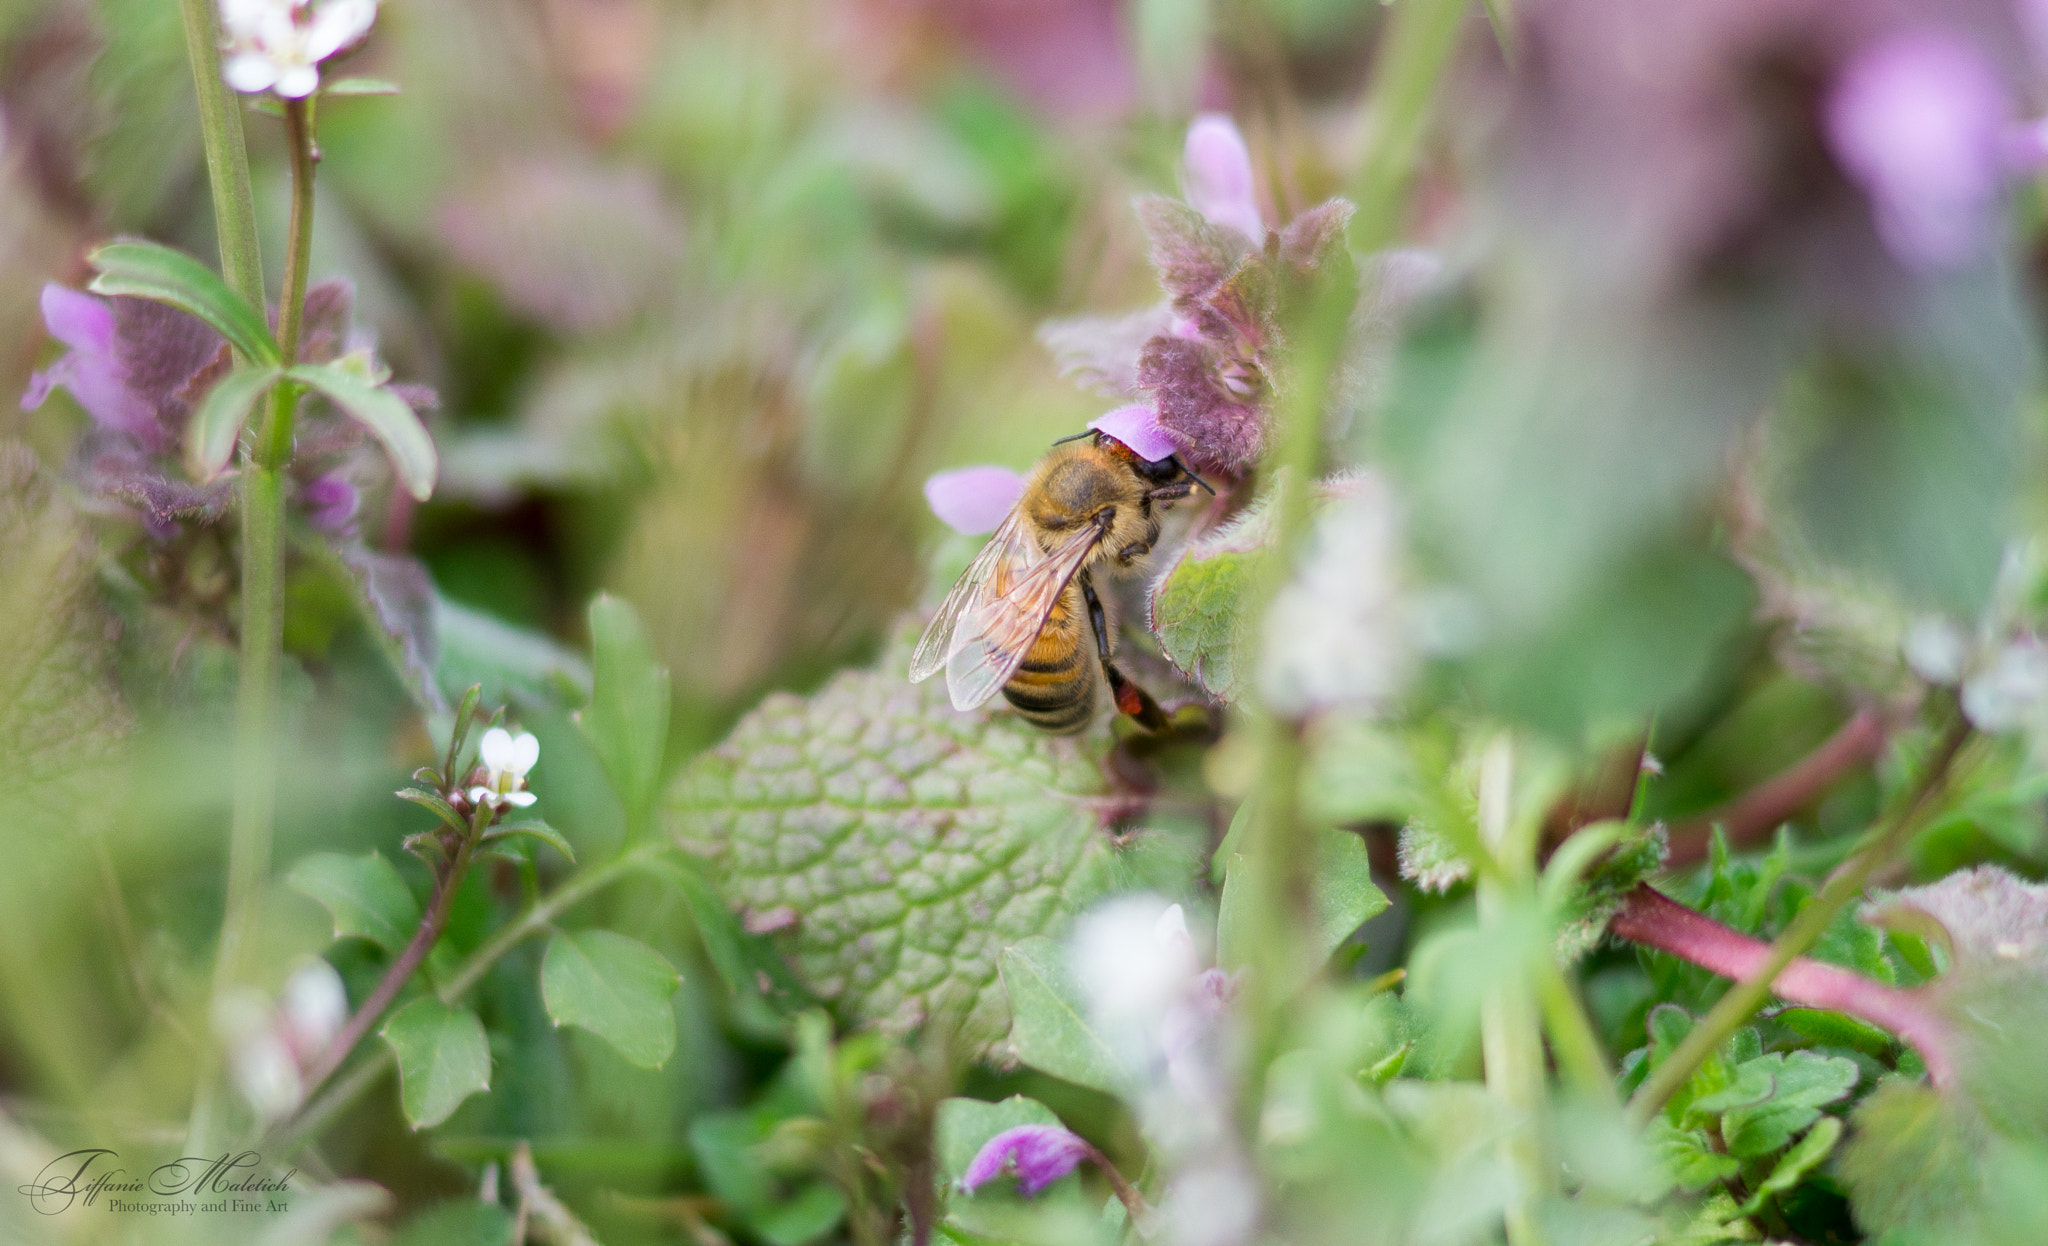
pixel 1130 698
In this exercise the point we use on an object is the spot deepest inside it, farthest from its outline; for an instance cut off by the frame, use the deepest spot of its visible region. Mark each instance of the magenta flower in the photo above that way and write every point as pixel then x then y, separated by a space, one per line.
pixel 1038 1154
pixel 93 370
pixel 330 502
pixel 973 500
pixel 1921 121
pixel 1137 426
pixel 1216 176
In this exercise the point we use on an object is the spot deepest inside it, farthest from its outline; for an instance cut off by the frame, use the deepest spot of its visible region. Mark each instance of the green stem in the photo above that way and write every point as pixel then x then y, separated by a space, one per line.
pixel 315 1116
pixel 227 156
pixel 1510 1030
pixel 1845 884
pixel 1406 71
pixel 1580 1058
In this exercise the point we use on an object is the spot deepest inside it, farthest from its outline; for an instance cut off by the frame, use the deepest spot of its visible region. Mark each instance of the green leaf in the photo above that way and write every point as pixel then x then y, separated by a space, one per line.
pixel 742 961
pixel 217 423
pixel 893 846
pixel 462 1222
pixel 816 1210
pixel 1344 898
pixel 616 988
pixel 359 86
pixel 962 1126
pixel 1802 1081
pixel 1914 1161
pixel 533 828
pixel 1048 1027
pixel 387 417
pixel 627 720
pixel 1197 608
pixel 1687 1156
pixel 443 1058
pixel 148 270
pixel 432 802
pixel 365 894
pixel 1793 1166
pixel 511 663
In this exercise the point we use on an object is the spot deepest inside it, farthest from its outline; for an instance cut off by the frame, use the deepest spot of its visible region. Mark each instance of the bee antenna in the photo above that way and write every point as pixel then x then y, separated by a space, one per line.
pixel 1206 486
pixel 1086 432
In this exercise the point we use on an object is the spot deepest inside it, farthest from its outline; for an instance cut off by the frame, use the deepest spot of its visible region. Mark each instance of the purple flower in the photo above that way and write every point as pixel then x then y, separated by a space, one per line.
pixel 1137 426
pixel 1216 175
pixel 1920 120
pixel 1038 1154
pixel 330 502
pixel 973 500
pixel 93 369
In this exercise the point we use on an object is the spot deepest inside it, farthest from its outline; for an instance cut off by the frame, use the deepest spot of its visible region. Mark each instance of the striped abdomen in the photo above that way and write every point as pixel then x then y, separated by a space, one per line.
pixel 1054 688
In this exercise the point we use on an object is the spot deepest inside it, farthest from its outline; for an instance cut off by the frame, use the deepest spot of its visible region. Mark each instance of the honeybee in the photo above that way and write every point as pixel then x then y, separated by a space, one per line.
pixel 1014 621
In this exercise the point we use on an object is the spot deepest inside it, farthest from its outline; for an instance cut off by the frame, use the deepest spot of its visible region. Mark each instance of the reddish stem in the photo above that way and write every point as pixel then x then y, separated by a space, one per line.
pixel 1651 918
pixel 1758 812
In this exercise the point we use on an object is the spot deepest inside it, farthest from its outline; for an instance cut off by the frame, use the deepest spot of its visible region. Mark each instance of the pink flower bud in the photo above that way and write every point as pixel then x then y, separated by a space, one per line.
pixel 973 500
pixel 1217 175
pixel 1038 1154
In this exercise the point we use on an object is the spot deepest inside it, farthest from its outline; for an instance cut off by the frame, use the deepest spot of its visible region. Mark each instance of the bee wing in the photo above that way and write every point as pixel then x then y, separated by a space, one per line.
pixel 997 630
pixel 1001 563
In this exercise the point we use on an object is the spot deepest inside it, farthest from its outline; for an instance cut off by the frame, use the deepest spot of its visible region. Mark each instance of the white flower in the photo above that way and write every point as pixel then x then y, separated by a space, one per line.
pixel 277 45
pixel 1132 959
pixel 1340 633
pixel 1937 650
pixel 312 1007
pixel 506 758
pixel 2012 689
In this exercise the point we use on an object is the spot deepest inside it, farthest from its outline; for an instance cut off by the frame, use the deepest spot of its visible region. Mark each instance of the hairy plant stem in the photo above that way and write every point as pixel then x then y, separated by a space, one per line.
pixel 1754 815
pixel 289 1136
pixel 1510 1030
pixel 1653 919
pixel 446 880
pixel 1845 884
pixel 227 156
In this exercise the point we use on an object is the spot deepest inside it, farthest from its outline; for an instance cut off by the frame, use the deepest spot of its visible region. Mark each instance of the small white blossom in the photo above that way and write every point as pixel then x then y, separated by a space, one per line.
pixel 1133 958
pixel 506 759
pixel 1341 632
pixel 2011 691
pixel 1937 650
pixel 277 45
pixel 312 1007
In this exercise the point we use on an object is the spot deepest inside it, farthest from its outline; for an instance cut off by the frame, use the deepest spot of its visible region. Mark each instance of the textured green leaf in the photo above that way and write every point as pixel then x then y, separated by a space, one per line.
pixel 1793 1166
pixel 627 720
pixel 443 1058
pixel 1048 1028
pixel 1802 1081
pixel 964 1125
pixel 366 896
pixel 894 845
pixel 1687 1156
pixel 1914 1161
pixel 744 962
pixel 616 988
pixel 150 270
pixel 463 1222
pixel 532 828
pixel 217 423
pixel 385 414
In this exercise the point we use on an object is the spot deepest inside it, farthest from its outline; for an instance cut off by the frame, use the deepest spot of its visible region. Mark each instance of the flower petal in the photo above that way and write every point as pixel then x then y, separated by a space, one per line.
pixel 495 750
pixel 330 502
pixel 525 751
pixel 1137 426
pixel 314 1004
pixel 250 72
pixel 1042 1154
pixel 298 81
pixel 1218 173
pixel 973 500
pixel 521 799
pixel 77 319
pixel 483 796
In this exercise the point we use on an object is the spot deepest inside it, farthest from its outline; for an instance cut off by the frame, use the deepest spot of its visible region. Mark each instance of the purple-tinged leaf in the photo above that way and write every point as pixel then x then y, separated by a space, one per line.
pixel 1192 255
pixel 1215 429
pixel 152 271
pixel 397 599
pixel 1101 352
pixel 973 500
pixel 1038 1154
pixel 387 417
pixel 1312 240
pixel 1983 916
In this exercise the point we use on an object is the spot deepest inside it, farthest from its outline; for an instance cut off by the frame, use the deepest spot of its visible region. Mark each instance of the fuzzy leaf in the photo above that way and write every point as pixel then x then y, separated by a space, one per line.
pixel 1801 1082
pixel 217 424
pixel 152 271
pixel 1914 1161
pixel 1688 1157
pixel 627 721
pixel 1049 1027
pixel 1197 605
pixel 387 417
pixel 1981 916
pixel 366 896
pixel 616 988
pixel 1793 1166
pixel 1192 255
pixel 1101 352
pixel 894 845
pixel 443 1058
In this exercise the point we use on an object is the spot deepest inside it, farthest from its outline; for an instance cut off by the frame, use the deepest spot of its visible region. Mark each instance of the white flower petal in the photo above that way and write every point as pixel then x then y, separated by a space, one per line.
pixel 495 749
pixel 525 752
pixel 482 796
pixel 521 799
pixel 338 24
pixel 298 81
pixel 315 1004
pixel 249 72
pixel 267 1075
